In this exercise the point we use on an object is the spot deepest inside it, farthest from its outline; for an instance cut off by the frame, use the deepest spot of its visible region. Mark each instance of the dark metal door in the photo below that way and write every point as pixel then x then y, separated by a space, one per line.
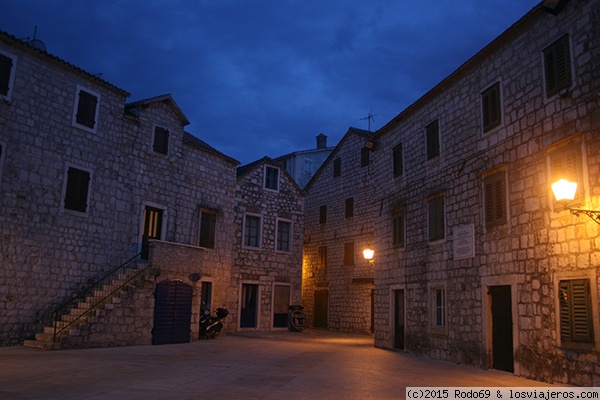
pixel 399 319
pixel 151 229
pixel 172 313
pixel 502 336
pixel 321 305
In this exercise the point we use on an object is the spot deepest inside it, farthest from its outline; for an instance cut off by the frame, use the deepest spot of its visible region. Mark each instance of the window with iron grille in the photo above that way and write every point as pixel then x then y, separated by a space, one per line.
pixel 433 139
pixel 491 107
pixel 322 257
pixel 348 253
pixel 323 214
pixel 161 140
pixel 557 66
pixel 208 223
pixel 77 190
pixel 437 227
pixel 494 188
pixel 271 178
pixel 252 231
pixel 337 167
pixel 86 109
pixel 576 323
pixel 7 74
pixel 349 212
pixel 284 235
pixel 398 228
pixel 397 159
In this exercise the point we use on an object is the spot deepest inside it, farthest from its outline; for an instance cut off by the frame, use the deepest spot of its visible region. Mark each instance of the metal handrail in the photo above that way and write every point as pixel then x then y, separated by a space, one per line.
pixel 60 311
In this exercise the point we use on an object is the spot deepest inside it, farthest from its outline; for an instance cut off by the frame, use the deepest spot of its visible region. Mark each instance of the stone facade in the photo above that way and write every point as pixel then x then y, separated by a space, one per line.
pixel 339 217
pixel 490 262
pixel 267 269
pixel 81 192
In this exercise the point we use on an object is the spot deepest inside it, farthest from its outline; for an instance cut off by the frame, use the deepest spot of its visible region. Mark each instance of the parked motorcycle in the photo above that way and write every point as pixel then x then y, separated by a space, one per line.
pixel 211 325
pixel 297 318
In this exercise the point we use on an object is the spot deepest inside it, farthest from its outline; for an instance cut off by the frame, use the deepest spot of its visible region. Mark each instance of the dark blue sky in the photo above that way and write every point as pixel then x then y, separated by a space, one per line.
pixel 258 77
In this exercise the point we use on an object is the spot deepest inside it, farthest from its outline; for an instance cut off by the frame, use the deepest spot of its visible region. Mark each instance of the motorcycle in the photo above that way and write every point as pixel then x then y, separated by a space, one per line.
pixel 297 318
pixel 211 325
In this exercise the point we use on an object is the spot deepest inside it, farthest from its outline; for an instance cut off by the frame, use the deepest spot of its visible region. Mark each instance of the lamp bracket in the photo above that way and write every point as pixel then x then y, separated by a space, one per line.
pixel 594 215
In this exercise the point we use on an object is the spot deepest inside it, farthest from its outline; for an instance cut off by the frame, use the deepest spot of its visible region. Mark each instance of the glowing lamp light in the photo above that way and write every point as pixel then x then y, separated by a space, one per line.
pixel 564 190
pixel 368 254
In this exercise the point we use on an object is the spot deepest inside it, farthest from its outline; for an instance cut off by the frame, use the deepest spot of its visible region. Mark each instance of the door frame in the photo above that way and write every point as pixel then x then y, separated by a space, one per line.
pixel 275 285
pixel 258 306
pixel 163 226
pixel 486 308
pixel 392 316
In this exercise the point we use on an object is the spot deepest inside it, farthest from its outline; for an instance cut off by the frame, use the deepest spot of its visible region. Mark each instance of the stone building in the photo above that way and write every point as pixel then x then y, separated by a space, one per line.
pixel 92 186
pixel 475 260
pixel 339 218
pixel 267 268
pixel 303 165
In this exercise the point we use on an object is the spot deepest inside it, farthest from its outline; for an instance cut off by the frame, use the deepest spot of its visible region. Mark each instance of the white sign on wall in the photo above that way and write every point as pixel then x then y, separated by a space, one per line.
pixel 464 242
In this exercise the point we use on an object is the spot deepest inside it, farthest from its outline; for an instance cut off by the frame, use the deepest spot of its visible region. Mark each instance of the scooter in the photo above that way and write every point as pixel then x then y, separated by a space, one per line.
pixel 211 325
pixel 297 318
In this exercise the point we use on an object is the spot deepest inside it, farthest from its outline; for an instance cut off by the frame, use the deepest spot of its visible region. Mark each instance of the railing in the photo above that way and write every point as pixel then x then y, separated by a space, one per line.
pixel 100 295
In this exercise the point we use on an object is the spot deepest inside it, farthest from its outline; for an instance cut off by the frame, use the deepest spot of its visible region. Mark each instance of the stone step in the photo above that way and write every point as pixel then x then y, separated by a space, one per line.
pixel 36 344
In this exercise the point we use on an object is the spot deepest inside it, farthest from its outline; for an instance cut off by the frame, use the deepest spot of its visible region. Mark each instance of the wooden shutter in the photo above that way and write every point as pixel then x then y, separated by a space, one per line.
pixel 495 199
pixel 77 189
pixel 337 167
pixel 491 107
pixel 575 311
pixel 398 163
pixel 557 63
pixel 349 207
pixel 86 109
pixel 398 229
pixel 323 214
pixel 349 253
pixel 433 139
pixel 6 64
pixel 322 262
pixel 436 219
pixel 207 229
pixel 364 157
pixel 161 140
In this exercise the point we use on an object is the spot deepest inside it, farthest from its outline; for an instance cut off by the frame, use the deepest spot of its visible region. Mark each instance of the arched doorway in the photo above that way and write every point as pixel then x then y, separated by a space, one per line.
pixel 172 313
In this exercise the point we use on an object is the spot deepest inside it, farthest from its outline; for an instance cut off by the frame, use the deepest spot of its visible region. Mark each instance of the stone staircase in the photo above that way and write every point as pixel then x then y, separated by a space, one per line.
pixel 71 325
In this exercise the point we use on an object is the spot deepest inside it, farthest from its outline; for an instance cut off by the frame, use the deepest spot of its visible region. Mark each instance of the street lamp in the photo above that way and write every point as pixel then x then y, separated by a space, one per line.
pixel 564 191
pixel 368 254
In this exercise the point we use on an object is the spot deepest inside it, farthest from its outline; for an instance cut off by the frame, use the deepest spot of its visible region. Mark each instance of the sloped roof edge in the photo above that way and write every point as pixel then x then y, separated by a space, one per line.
pixel 167 98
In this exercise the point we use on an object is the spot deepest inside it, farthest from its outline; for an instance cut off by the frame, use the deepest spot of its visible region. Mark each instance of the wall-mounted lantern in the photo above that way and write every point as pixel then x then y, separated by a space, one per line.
pixel 368 254
pixel 564 191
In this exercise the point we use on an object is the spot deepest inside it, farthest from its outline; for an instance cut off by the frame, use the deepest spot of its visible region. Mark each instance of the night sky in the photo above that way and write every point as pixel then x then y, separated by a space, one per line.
pixel 263 78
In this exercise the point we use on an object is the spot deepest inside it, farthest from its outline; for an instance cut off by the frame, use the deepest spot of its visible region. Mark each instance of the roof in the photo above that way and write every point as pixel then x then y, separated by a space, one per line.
pixel 248 168
pixel 27 46
pixel 351 131
pixel 166 98
pixel 192 140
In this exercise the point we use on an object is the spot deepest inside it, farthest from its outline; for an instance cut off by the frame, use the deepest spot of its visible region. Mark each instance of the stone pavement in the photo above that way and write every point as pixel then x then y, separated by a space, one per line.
pixel 275 365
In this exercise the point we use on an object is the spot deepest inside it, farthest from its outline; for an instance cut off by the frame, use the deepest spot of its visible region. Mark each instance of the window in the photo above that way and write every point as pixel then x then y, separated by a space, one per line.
pixel 565 163
pixel 398 162
pixel 494 190
pixel 365 154
pixel 436 218
pixel 433 139
pixel 85 113
pixel 349 207
pixel 2 151
pixel 438 322
pixel 557 66
pixel 337 167
pixel 252 231
pixel 322 257
pixel 161 140
pixel 77 190
pixel 349 253
pixel 576 324
pixel 491 107
pixel 398 228
pixel 284 235
pixel 208 221
pixel 271 178
pixel 323 214
pixel 7 74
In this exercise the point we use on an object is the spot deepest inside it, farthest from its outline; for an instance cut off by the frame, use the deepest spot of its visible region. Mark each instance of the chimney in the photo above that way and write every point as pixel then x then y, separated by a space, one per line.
pixel 321 141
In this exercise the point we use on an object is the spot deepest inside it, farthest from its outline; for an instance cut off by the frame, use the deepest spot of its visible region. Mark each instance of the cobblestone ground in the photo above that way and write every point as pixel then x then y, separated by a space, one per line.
pixel 283 365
